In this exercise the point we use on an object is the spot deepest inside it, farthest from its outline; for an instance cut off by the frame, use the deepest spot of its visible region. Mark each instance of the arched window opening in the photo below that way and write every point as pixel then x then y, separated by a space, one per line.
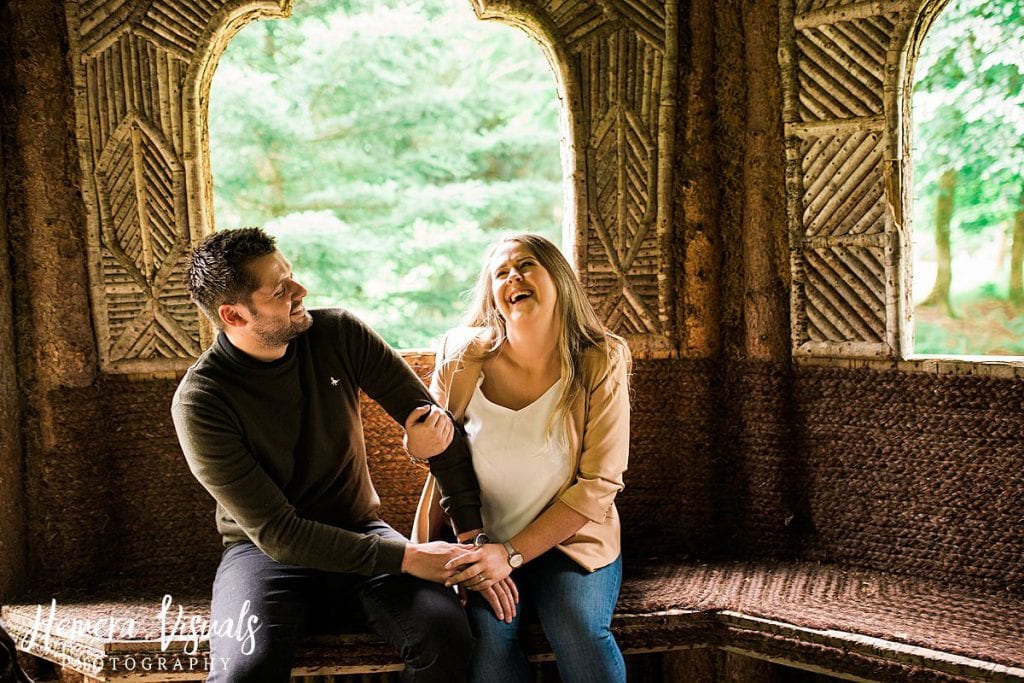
pixel 385 144
pixel 968 201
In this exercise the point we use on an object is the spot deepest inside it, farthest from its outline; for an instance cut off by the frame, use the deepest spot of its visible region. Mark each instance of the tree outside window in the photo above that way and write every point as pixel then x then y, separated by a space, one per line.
pixel 386 144
pixel 968 110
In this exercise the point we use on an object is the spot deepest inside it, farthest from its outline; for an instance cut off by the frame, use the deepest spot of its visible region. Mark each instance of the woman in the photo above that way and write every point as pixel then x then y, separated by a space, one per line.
pixel 542 391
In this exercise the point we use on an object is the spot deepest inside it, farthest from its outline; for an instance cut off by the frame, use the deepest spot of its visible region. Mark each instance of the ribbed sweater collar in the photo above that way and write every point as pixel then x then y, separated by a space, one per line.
pixel 239 357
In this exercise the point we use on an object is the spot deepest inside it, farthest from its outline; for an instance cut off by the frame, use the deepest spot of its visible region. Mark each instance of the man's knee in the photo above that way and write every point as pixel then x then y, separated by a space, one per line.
pixel 444 642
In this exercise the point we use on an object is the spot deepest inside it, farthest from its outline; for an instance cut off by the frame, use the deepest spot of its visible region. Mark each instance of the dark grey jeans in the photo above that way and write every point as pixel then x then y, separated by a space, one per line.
pixel 423 621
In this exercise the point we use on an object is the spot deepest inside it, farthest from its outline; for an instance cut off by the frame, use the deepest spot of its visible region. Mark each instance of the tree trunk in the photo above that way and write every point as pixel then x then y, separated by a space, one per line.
pixel 943 217
pixel 1017 255
pixel 268 169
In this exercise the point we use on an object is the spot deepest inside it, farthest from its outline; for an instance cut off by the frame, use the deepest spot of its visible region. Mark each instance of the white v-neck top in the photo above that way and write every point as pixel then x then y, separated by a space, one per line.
pixel 519 465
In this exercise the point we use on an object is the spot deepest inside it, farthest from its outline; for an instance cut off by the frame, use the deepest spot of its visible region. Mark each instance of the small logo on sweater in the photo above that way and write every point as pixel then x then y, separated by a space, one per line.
pixel 334 382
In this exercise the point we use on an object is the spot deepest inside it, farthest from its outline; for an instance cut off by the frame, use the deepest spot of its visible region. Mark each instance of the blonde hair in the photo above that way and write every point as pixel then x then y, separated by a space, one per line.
pixel 580 329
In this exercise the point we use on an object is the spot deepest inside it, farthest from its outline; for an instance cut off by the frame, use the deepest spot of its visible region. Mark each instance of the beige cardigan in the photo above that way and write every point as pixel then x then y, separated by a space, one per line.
pixel 599 450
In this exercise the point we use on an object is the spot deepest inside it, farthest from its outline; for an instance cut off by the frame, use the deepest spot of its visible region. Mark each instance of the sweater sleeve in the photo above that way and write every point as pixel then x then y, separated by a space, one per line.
pixel 219 459
pixel 605 447
pixel 387 379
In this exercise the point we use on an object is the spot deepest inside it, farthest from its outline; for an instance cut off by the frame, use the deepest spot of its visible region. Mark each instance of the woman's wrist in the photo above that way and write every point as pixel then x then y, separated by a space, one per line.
pixel 513 557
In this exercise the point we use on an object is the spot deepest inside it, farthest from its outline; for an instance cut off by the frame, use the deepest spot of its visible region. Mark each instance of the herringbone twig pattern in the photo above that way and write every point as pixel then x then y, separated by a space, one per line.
pixel 133 59
pixel 843 191
pixel 841 68
pixel 845 286
pixel 841 223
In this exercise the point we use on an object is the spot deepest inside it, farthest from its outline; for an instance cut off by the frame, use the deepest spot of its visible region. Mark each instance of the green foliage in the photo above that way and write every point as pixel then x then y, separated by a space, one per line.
pixel 969 114
pixel 386 144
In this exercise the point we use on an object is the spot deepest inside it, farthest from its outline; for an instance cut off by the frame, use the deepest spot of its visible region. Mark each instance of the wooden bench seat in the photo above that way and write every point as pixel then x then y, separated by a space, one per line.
pixel 862 624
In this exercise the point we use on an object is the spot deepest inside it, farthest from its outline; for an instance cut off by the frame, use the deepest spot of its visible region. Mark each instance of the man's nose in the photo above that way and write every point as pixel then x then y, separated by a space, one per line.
pixel 300 291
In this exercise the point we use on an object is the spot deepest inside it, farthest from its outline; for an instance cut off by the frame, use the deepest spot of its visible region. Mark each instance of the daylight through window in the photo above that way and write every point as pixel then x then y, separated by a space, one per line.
pixel 386 144
pixel 968 211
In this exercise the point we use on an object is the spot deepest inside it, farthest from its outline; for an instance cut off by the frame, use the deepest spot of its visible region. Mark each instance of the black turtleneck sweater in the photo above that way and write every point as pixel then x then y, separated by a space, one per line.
pixel 280 446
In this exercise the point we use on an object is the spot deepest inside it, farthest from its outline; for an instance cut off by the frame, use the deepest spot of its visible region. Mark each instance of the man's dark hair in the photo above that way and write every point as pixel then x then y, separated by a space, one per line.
pixel 218 272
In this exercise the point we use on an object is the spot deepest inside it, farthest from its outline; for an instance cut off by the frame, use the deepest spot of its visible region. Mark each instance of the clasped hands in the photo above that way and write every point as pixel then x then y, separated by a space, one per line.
pixel 485 569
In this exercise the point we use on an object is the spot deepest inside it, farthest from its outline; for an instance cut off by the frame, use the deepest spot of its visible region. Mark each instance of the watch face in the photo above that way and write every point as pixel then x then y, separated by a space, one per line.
pixel 515 560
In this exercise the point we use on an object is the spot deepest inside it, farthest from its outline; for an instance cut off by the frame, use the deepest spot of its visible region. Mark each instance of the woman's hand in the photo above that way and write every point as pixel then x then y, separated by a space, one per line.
pixel 502 597
pixel 428 431
pixel 480 568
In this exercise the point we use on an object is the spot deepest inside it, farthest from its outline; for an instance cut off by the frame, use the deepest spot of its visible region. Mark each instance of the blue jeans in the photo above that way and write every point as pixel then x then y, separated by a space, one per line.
pixel 575 609
pixel 423 621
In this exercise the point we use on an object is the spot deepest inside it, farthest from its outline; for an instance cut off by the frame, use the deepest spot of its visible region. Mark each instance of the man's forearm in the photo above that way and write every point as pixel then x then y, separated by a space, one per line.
pixel 460 491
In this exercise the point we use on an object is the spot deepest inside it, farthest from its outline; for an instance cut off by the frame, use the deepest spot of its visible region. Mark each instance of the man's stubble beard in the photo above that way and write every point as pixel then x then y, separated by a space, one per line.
pixel 280 337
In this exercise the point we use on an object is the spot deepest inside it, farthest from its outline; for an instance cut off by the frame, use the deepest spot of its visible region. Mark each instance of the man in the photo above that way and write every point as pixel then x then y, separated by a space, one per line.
pixel 268 419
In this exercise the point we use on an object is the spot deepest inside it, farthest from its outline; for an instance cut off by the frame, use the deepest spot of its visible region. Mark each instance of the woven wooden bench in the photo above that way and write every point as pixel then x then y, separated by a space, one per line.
pixel 861 624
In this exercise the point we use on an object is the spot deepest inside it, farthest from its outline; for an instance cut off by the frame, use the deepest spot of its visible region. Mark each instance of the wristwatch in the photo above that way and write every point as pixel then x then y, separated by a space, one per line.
pixel 515 558
pixel 480 539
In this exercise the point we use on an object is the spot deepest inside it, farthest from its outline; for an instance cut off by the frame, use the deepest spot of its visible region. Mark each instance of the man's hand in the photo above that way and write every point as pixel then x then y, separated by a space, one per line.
pixel 428 432
pixel 429 560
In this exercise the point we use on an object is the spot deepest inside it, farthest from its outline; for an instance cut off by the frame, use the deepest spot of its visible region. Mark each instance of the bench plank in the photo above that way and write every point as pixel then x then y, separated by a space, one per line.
pixel 854 623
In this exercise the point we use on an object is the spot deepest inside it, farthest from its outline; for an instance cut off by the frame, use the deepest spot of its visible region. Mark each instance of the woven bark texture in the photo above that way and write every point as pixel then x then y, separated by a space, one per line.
pixel 916 474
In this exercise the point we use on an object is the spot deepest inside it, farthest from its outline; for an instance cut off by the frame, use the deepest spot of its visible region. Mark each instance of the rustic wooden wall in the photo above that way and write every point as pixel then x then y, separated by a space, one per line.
pixel 55 344
pixel 847 69
pixel 12 516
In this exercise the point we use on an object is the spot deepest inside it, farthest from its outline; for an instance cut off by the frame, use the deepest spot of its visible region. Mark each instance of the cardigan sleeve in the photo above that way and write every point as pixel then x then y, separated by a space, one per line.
pixel 604 451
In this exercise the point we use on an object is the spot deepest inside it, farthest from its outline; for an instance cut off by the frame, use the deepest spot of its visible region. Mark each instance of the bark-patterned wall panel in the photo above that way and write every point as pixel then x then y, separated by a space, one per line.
pixel 142 73
pixel 844 230
pixel 130 64
pixel 621 60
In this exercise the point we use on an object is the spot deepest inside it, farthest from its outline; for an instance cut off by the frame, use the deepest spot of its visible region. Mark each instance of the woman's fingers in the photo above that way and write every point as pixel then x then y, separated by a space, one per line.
pixel 466 577
pixel 415 416
pixel 513 590
pixel 494 601
pixel 508 602
pixel 479 583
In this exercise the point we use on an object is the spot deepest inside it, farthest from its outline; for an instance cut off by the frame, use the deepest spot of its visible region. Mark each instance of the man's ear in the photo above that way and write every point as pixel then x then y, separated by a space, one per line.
pixel 231 316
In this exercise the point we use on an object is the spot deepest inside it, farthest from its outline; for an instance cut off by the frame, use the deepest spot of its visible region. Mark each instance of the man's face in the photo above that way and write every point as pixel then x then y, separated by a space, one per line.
pixel 276 314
